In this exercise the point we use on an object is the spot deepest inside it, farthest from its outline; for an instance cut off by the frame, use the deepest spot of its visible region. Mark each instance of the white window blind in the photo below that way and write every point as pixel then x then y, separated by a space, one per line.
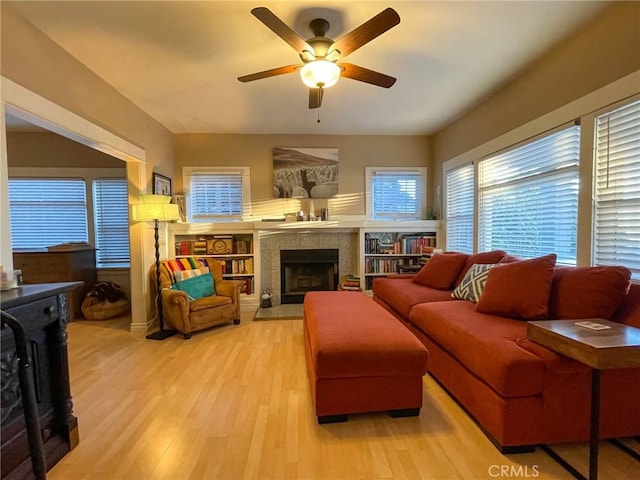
pixel 529 198
pixel 111 218
pixel 617 189
pixel 460 182
pixel 398 195
pixel 46 212
pixel 216 196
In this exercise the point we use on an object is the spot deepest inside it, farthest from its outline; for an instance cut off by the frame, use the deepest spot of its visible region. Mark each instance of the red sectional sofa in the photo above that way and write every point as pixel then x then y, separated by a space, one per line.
pixel 520 393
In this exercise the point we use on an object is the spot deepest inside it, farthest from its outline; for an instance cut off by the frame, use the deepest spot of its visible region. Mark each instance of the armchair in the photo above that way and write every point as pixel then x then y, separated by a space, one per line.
pixel 188 315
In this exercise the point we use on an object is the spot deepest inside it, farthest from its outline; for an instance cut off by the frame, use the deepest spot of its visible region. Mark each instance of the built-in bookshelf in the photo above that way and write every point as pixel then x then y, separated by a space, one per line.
pixel 234 251
pixel 382 248
pixel 388 251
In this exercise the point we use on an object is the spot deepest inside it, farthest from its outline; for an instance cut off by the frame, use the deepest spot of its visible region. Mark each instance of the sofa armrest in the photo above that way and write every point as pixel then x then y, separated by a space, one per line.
pixel 230 288
pixel 175 306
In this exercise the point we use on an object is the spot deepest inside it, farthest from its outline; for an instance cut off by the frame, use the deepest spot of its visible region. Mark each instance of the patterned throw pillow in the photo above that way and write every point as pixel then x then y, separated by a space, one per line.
pixel 471 286
pixel 184 274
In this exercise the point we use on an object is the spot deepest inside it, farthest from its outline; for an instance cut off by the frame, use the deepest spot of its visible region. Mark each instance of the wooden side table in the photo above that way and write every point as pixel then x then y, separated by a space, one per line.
pixel 617 346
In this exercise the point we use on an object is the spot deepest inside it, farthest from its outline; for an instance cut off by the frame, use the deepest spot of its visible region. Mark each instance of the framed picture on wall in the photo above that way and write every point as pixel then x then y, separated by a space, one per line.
pixel 305 172
pixel 161 184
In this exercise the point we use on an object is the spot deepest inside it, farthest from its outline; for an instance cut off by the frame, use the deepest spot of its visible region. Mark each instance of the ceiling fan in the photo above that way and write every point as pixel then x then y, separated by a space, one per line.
pixel 321 56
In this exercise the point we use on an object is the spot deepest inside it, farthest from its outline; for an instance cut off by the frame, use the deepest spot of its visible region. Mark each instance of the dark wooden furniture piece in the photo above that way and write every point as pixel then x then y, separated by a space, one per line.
pixel 41 311
pixel 615 347
pixel 66 266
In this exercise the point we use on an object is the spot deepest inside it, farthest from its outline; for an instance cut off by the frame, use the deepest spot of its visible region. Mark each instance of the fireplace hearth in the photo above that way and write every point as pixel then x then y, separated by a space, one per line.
pixel 307 270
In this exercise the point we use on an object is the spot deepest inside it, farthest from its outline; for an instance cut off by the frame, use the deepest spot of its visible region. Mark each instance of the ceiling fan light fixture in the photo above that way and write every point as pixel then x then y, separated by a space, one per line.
pixel 320 74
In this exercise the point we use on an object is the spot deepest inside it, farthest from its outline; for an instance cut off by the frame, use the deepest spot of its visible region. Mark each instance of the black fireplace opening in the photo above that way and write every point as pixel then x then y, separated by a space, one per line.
pixel 303 271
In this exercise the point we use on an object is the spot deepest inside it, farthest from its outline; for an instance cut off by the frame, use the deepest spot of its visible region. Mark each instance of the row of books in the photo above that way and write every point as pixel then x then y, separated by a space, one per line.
pixel 350 282
pixel 247 284
pixel 214 246
pixel 383 265
pixel 410 244
pixel 427 253
pixel 236 266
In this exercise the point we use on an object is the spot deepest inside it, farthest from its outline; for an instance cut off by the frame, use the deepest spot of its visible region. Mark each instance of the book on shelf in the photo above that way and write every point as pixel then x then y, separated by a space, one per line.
pixel 427 253
pixel 237 266
pixel 350 282
pixel 398 244
pixel 350 288
pixel 247 284
pixel 214 245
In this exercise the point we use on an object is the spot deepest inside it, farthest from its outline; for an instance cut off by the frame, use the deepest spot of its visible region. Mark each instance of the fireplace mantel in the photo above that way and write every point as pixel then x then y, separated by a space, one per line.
pixel 345 233
pixel 347 223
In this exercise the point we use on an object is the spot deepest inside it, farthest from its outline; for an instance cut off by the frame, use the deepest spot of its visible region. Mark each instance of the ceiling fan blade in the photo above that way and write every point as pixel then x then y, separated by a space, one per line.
pixel 355 72
pixel 315 97
pixel 366 32
pixel 281 29
pixel 269 73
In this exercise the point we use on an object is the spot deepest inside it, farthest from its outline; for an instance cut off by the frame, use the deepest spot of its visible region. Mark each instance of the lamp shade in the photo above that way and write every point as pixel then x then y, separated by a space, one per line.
pixel 320 73
pixel 154 198
pixel 148 212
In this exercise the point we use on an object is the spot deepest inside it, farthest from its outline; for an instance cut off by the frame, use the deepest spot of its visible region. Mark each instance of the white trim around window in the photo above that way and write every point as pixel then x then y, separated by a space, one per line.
pixel 231 199
pixel 415 186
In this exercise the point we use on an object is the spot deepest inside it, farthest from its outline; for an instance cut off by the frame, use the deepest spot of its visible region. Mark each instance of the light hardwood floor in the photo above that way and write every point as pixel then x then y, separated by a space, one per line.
pixel 234 403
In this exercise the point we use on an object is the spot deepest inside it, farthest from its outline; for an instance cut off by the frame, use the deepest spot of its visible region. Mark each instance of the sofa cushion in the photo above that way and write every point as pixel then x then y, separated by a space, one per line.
pixel 472 285
pixel 196 287
pixel 487 345
pixel 587 292
pixel 352 336
pixel 494 256
pixel 402 294
pixel 519 289
pixel 441 270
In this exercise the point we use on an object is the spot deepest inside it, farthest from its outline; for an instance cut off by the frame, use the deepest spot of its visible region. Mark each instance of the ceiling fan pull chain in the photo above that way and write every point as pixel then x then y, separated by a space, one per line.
pixel 319 102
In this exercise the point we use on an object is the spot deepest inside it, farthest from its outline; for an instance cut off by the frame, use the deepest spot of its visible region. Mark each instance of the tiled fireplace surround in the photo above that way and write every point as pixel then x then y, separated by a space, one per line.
pixel 271 242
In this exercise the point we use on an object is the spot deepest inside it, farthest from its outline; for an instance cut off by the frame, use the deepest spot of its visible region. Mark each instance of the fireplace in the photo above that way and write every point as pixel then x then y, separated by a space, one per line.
pixel 303 271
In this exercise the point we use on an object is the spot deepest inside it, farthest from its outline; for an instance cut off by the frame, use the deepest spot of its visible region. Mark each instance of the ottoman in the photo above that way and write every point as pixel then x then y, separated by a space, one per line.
pixel 360 358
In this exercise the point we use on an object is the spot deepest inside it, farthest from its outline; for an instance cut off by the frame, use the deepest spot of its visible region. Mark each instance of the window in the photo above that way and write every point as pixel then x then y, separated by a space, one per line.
pixel 460 202
pixel 396 193
pixel 217 194
pixel 111 218
pixel 528 201
pixel 617 189
pixel 46 212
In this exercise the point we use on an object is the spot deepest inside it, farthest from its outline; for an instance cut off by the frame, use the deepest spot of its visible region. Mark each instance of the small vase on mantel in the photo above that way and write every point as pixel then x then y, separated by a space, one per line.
pixel 312 211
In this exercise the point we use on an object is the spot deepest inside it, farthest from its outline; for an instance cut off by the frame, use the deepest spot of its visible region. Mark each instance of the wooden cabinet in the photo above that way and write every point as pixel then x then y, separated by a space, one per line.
pixel 41 312
pixel 67 266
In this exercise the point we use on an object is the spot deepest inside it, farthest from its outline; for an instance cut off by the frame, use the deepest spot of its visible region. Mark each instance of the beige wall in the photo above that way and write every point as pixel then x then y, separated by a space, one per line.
pixel 603 51
pixel 46 149
pixel 32 61
pixel 254 151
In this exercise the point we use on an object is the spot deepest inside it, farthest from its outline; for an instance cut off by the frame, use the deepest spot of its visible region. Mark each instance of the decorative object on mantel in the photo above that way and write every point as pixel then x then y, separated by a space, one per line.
pixel 180 199
pixel 156 208
pixel 305 172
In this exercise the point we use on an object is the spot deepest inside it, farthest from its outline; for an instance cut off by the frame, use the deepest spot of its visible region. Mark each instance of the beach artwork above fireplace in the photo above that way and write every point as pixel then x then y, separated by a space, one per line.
pixel 305 172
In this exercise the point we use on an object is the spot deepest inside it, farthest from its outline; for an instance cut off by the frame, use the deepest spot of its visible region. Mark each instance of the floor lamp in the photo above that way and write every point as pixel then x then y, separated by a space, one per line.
pixel 156 208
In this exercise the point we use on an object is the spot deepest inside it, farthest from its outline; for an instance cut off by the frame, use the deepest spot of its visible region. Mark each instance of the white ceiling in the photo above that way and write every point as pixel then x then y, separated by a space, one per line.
pixel 179 60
